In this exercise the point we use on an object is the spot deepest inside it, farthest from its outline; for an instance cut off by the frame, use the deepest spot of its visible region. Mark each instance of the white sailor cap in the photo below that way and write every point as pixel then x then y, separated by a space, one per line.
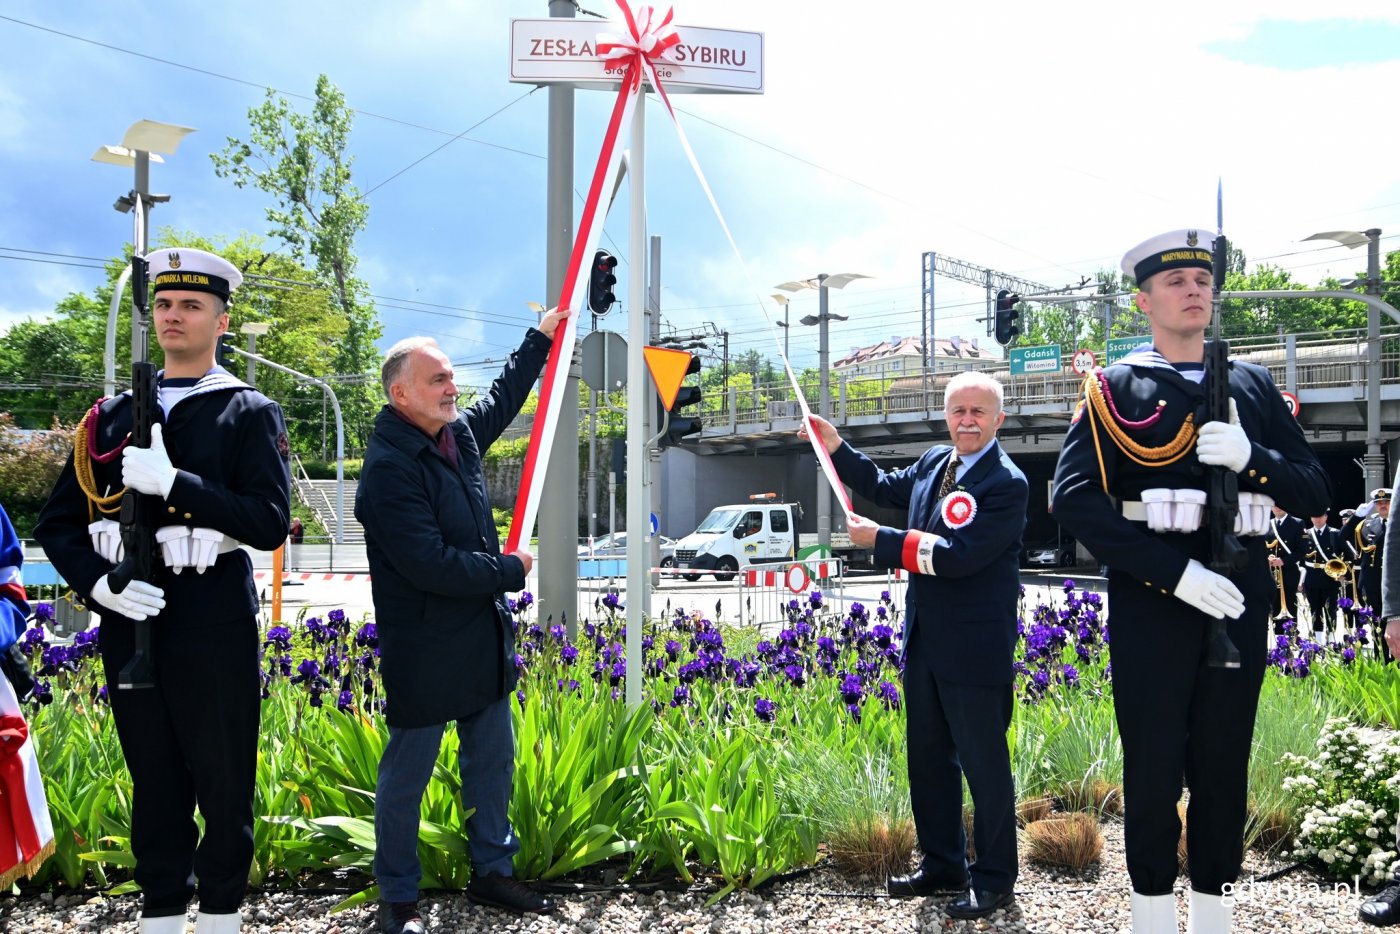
pixel 1381 495
pixel 1173 250
pixel 192 270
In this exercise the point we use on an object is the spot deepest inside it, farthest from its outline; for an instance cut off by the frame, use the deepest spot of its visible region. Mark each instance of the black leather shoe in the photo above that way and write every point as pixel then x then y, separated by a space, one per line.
pixel 400 918
pixel 500 891
pixel 920 883
pixel 1383 908
pixel 975 903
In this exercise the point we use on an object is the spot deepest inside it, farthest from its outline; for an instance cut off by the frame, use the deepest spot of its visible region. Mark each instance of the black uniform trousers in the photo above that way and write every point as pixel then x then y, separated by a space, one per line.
pixel 1322 604
pixel 1168 703
pixel 190 741
pixel 957 729
pixel 1292 577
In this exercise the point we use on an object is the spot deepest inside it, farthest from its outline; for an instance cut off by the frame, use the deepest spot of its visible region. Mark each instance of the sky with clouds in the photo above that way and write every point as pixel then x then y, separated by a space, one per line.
pixel 1038 139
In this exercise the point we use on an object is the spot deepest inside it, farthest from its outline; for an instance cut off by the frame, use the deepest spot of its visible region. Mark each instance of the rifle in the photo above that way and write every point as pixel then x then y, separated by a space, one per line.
pixel 137 520
pixel 1227 555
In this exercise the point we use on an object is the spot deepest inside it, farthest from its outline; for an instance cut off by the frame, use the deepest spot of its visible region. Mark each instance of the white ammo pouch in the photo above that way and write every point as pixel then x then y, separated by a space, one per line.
pixel 1255 515
pixel 1166 510
pixel 183 547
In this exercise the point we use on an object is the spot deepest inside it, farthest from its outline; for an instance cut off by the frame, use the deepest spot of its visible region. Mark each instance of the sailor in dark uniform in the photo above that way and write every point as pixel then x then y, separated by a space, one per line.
pixel 1285 544
pixel 1370 542
pixel 217 469
pixel 1130 486
pixel 1324 551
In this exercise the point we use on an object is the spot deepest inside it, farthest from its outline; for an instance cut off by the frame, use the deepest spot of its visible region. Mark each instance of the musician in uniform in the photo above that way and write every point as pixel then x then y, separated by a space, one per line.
pixel 1370 542
pixel 1140 440
pixel 217 469
pixel 1324 566
pixel 1285 546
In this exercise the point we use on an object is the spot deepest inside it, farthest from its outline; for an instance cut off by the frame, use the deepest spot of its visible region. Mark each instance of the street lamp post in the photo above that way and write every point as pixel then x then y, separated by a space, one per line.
pixel 254 329
pixel 144 142
pixel 784 300
pixel 822 283
pixel 1374 460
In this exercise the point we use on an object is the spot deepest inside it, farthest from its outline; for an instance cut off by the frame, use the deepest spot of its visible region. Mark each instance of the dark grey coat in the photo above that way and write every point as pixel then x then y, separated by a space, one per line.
pixel 438 576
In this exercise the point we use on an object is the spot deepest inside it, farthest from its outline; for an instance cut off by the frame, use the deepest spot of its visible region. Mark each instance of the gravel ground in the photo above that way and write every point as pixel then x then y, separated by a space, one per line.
pixel 1047 901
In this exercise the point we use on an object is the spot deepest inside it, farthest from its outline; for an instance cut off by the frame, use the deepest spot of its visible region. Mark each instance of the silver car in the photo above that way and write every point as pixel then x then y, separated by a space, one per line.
pixel 615 546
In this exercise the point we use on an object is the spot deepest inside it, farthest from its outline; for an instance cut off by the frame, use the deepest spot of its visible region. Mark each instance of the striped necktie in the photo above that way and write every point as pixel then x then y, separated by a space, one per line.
pixel 950 477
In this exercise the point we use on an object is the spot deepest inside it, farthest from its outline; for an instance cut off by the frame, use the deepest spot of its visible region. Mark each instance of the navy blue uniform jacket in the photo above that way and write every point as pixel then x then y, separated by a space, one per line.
pixel 439 579
pixel 229 444
pixel 1281 465
pixel 966 610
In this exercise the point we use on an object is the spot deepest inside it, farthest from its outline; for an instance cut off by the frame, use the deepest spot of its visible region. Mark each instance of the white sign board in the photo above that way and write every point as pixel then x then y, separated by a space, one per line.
pixel 563 50
pixel 1083 360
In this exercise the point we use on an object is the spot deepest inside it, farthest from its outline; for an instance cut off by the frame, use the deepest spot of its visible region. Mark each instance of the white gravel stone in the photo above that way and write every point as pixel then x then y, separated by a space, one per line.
pixel 1048 901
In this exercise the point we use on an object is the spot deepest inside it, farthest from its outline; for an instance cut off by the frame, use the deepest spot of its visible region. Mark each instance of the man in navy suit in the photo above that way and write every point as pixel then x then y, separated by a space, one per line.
pixel 967 510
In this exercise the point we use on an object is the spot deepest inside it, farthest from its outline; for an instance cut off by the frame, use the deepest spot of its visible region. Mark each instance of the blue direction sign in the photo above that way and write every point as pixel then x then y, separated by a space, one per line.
pixel 1119 347
pixel 1044 359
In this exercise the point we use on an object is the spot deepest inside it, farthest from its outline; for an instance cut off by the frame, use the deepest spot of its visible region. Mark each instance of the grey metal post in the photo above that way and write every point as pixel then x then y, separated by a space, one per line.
pixel 654 455
pixel 558 516
pixel 591 481
pixel 1375 457
pixel 823 488
pixel 638 386
pixel 253 360
pixel 141 195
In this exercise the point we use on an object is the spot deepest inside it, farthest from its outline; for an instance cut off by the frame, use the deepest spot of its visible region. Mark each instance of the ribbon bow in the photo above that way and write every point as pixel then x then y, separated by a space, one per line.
pixel 651 38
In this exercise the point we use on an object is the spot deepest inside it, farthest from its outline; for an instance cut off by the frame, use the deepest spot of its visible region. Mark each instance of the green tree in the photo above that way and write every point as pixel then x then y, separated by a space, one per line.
pixel 53 369
pixel 303 161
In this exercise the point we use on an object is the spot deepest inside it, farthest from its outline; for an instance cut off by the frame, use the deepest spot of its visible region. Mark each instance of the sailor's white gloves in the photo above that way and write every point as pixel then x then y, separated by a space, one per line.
pixel 107 539
pixel 1211 593
pixel 1222 445
pixel 148 470
pixel 182 547
pixel 138 601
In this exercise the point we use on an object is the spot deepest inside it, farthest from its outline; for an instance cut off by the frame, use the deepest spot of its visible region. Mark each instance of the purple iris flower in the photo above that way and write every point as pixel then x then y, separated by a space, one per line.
pixel 888 693
pixel 43 612
pixel 795 675
pixel 765 709
pixel 852 691
pixel 345 701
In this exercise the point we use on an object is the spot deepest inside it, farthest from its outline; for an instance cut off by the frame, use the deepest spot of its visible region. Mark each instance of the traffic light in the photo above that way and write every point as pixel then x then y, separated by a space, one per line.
pixel 683 425
pixel 223 355
pixel 601 281
pixel 1006 327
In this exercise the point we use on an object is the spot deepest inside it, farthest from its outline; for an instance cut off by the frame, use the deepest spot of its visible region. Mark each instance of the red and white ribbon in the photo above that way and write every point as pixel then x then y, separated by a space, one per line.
pixel 643 43
pixel 26 832
pixel 650 37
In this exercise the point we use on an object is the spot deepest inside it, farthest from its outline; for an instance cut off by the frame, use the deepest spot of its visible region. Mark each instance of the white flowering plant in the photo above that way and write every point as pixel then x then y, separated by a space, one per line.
pixel 1348 797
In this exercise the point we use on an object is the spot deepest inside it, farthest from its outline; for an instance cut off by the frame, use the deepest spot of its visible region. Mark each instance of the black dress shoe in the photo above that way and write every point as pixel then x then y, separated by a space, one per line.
pixel 921 883
pixel 1383 908
pixel 500 891
pixel 400 918
pixel 975 903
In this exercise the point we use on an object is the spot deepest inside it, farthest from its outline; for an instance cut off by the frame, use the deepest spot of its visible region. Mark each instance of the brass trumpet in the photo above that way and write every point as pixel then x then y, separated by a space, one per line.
pixel 1282 597
pixel 1336 568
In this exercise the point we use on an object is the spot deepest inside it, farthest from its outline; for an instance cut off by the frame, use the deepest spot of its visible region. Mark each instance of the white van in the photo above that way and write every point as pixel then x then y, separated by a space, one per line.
pixel 730 538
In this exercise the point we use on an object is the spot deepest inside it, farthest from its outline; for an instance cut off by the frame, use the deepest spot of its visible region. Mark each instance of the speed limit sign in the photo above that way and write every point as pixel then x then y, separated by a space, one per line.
pixel 1290 400
pixel 1083 360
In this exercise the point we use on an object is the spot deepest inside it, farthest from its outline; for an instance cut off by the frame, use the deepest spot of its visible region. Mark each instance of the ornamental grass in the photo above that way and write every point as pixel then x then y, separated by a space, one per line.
pixel 1072 840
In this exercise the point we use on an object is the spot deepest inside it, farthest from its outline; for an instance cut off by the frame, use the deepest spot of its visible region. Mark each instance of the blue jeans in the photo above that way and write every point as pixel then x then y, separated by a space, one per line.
pixel 487 763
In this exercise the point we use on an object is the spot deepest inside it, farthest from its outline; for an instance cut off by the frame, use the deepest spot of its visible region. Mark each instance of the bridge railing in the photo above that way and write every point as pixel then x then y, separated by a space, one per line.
pixel 1318 360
